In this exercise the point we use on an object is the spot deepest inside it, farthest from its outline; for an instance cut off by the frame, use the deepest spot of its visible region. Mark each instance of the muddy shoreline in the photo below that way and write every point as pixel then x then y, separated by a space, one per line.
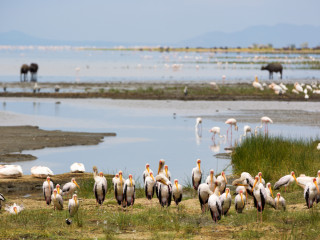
pixel 15 139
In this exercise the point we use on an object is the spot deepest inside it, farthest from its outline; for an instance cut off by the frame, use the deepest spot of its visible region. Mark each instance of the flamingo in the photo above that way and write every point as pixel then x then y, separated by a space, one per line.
pixel 216 130
pixel 231 122
pixel 264 120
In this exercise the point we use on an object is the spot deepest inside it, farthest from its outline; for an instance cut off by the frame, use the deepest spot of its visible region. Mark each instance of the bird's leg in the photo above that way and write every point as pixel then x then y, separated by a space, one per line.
pixel 261 217
pixel 257 214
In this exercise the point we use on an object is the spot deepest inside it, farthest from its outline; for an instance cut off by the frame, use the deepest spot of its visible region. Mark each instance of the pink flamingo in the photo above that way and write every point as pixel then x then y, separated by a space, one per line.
pixel 264 120
pixel 233 122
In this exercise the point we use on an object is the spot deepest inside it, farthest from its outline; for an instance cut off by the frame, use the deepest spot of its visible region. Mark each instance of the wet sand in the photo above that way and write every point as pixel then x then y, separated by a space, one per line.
pixel 14 139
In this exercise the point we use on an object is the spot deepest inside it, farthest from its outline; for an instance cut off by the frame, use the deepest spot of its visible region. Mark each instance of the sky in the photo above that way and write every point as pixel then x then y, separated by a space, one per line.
pixel 148 20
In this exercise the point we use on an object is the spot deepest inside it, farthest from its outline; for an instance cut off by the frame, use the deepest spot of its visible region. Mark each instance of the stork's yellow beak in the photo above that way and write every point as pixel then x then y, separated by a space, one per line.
pixel 131 182
pixel 270 191
pixel 211 178
pixel 75 200
pixel 315 183
pixel 58 190
pixel 199 167
pixel 294 176
pixel 76 184
pixel 120 176
pixel 176 184
pixel 166 172
pixel 255 183
pixel 241 198
pixel 227 193
pixel 148 169
pixel 260 179
pixel 152 177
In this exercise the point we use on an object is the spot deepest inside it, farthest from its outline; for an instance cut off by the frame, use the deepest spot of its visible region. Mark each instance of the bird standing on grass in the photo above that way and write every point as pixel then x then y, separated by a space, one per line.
pixel 196 175
pixel 215 208
pixel 146 172
pixel 240 202
pixel 285 181
pixel 129 191
pixel 77 168
pixel 118 189
pixel 73 205
pixel 225 200
pixel 204 193
pixel 47 188
pixel 2 198
pixel 177 192
pixel 70 187
pixel 149 186
pixel 211 179
pixel 280 202
pixel 259 196
pixel 100 188
pixel 222 182
pixel 57 200
pixel 310 192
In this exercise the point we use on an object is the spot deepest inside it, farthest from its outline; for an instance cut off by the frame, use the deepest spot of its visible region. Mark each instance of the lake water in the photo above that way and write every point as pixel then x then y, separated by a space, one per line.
pixel 59 64
pixel 150 130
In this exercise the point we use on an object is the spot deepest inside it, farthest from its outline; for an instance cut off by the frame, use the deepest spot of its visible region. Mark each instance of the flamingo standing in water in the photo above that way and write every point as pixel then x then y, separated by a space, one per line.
pixel 231 122
pixel 264 120
pixel 216 130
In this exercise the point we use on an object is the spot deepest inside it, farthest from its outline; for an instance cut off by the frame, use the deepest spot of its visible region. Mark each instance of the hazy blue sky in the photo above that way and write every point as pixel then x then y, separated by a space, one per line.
pixel 148 20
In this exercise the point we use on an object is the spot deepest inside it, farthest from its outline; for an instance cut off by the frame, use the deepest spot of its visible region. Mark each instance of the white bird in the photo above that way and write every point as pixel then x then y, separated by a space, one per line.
pixel 285 181
pixel 164 193
pixel 215 208
pixel 310 192
pixel 246 130
pixel 283 87
pixel 161 167
pixel 149 186
pixel 231 122
pixel 129 191
pixel 2 198
pixel 100 188
pixel 118 189
pixel 211 179
pixel 41 171
pixel 295 91
pixel 14 209
pixel 245 180
pixel 47 188
pixel 73 205
pixel 77 168
pixel 280 202
pixel 269 190
pixel 256 84
pixel 57 200
pixel 115 178
pixel 259 196
pixel 70 187
pixel 240 202
pixel 185 90
pixel 204 193
pixel 265 120
pixel 309 88
pixel 198 126
pixel 298 87
pixel 316 91
pixel 270 201
pixel 261 180
pixel 10 171
pixel 146 172
pixel 196 175
pixel 318 147
pixel 216 130
pixel 225 200
pixel 222 182
pixel 177 192
pixel 302 180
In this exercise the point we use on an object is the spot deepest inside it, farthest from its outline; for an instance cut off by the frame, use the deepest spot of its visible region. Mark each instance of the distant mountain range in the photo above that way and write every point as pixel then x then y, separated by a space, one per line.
pixel 280 35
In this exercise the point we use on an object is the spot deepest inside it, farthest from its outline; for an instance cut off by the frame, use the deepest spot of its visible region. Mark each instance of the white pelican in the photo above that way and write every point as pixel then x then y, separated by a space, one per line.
pixel 10 171
pixel 149 186
pixel 240 202
pixel 256 84
pixel 196 175
pixel 215 208
pixel 265 120
pixel 100 188
pixel 146 172
pixel 47 188
pixel 168 174
pixel 2 198
pixel 129 191
pixel 310 192
pixel 41 172
pixel 77 168
pixel 285 181
pixel 295 91
pixel 198 126
pixel 70 187
pixel 204 193
pixel 57 200
pixel 280 202
pixel 231 122
pixel 259 196
pixel 118 189
pixel 216 130
pixel 225 200
pixel 73 205
pixel 14 209
pixel 222 181
pixel 177 192
pixel 298 87
pixel 284 87
pixel 211 179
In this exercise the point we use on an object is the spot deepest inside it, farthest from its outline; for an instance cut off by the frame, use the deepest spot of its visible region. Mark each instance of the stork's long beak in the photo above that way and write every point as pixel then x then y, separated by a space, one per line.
pixel 166 172
pixel 75 200
pixel 278 197
pixel 260 179
pixel 49 184
pixel 160 165
pixel 241 198
pixel 58 190
pixel 271 191
pixel 255 183
pixel 211 178
pixel 227 193
pixel 176 184
pixel 152 177
pixel 199 167
pixel 76 184
pixel 15 210
pixel 120 180
pixel 131 182
pixel 148 169
pixel 294 176
pixel 315 183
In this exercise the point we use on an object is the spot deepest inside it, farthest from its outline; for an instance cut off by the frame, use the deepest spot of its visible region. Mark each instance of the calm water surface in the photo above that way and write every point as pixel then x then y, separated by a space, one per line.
pixel 150 130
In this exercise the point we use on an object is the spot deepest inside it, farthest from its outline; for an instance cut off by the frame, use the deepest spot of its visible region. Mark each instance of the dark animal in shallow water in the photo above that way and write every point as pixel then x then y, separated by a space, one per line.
pixel 33 70
pixel 273 67
pixel 24 71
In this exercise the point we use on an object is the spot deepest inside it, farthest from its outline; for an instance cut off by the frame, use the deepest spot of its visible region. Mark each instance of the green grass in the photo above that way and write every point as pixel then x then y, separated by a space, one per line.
pixel 276 157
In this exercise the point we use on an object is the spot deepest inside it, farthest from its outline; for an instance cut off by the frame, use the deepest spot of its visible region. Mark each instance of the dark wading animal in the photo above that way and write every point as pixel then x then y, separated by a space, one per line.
pixel 33 70
pixel 24 71
pixel 273 67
